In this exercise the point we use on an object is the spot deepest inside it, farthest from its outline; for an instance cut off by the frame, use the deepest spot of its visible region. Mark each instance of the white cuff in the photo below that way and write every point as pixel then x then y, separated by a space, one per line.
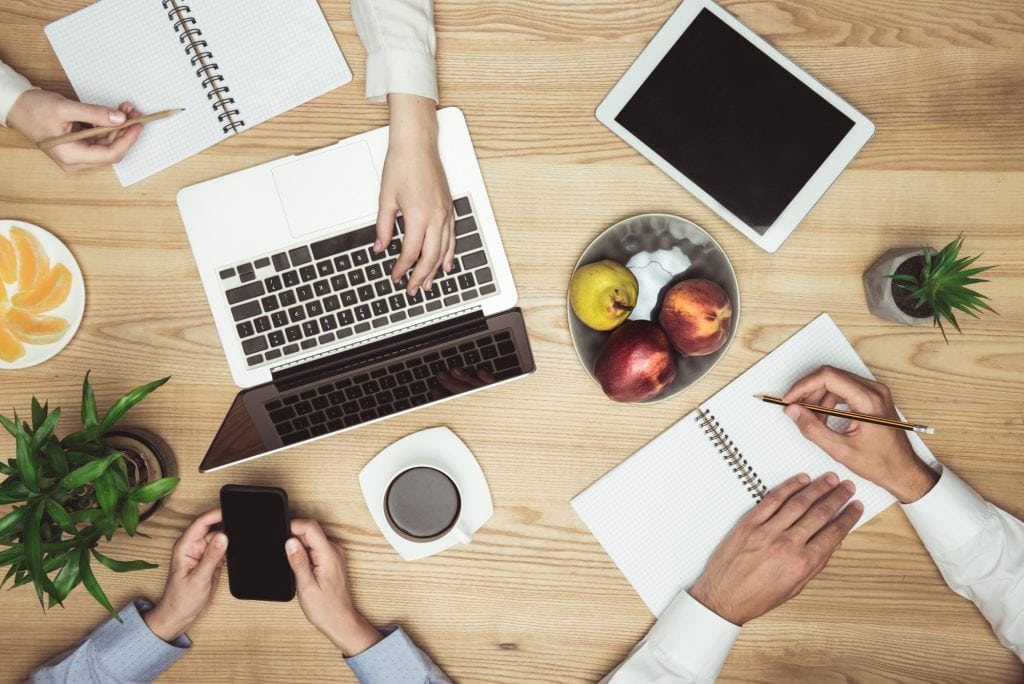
pixel 949 516
pixel 393 70
pixel 12 85
pixel 691 638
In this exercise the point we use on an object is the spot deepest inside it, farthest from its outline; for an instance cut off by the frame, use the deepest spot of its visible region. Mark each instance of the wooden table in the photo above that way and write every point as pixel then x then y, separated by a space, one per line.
pixel 534 598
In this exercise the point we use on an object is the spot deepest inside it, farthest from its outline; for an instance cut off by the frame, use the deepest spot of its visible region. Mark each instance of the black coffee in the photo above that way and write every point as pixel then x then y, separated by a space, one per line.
pixel 422 503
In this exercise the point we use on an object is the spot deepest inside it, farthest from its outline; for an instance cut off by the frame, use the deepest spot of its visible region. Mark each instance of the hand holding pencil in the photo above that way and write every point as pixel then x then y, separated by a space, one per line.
pixel 873 451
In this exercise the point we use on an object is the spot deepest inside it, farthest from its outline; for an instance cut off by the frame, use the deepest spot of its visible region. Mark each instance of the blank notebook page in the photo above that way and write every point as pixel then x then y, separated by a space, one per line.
pixel 271 58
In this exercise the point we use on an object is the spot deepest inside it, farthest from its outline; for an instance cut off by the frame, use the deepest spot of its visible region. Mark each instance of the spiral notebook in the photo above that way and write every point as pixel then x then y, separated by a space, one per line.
pixel 660 513
pixel 231 64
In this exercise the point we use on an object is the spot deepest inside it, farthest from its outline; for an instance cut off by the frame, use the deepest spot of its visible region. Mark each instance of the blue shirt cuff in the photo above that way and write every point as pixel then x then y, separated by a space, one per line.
pixel 131 650
pixel 393 660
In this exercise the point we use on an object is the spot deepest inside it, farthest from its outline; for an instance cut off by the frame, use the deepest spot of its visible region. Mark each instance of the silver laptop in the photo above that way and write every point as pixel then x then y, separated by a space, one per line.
pixel 314 331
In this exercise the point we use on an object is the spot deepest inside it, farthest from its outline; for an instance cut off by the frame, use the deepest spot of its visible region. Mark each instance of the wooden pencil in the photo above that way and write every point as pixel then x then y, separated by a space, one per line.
pixel 87 133
pixel 852 415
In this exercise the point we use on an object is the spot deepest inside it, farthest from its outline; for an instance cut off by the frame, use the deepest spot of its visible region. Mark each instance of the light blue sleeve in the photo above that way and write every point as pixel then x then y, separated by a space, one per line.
pixel 395 660
pixel 118 652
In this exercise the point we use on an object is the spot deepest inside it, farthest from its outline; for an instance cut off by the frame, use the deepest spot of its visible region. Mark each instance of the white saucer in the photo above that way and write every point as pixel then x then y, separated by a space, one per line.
pixel 437 448
pixel 71 310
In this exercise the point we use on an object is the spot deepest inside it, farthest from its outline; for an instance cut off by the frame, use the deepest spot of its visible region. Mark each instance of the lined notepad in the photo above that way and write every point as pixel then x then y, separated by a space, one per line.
pixel 231 64
pixel 660 513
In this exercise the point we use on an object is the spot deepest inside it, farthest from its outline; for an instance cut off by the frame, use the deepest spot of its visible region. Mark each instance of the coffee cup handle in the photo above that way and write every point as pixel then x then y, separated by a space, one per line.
pixel 462 534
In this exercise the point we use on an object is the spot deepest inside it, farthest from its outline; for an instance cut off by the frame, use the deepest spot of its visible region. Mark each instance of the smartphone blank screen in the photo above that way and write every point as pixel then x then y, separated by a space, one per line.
pixel 256 522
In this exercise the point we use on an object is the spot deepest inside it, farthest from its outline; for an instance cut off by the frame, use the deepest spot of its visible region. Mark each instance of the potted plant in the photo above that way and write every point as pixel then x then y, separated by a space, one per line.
pixel 915 286
pixel 67 494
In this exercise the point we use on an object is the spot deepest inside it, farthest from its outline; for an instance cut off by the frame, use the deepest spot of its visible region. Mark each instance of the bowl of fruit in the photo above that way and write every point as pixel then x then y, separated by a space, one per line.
pixel 653 304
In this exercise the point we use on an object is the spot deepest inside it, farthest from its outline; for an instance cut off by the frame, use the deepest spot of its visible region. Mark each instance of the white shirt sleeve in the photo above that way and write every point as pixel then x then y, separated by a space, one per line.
pixel 400 47
pixel 12 85
pixel 688 643
pixel 979 550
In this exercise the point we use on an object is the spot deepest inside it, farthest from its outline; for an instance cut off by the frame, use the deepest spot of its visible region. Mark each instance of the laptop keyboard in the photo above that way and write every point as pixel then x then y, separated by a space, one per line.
pixel 388 388
pixel 291 302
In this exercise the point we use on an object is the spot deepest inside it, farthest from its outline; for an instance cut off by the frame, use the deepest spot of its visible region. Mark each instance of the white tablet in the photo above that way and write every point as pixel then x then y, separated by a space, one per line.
pixel 733 121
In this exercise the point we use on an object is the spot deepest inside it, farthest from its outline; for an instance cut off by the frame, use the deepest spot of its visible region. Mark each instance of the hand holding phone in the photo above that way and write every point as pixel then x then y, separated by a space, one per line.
pixel 256 523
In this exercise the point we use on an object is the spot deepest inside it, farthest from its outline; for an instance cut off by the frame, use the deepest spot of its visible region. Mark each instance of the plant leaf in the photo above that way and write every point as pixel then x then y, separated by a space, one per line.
pixel 9 522
pixel 130 516
pixel 55 454
pixel 60 516
pixel 10 555
pixel 89 580
pixel 129 400
pixel 9 425
pixel 33 549
pixel 90 418
pixel 155 490
pixel 106 494
pixel 45 431
pixel 86 473
pixel 38 414
pixel 67 578
pixel 89 515
pixel 10 573
pixel 123 566
pixel 26 465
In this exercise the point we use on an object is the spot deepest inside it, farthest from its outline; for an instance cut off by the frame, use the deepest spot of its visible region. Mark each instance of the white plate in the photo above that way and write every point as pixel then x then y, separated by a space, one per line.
pixel 71 310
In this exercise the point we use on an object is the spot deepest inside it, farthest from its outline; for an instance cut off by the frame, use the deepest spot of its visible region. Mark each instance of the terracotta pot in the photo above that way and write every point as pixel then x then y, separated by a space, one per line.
pixel 878 288
pixel 148 458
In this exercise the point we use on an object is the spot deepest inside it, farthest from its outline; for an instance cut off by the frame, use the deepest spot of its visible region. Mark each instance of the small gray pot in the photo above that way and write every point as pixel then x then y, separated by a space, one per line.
pixel 878 288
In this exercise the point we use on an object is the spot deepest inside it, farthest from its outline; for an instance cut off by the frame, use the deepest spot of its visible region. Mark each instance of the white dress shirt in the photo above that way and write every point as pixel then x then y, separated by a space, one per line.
pixel 400 48
pixel 978 548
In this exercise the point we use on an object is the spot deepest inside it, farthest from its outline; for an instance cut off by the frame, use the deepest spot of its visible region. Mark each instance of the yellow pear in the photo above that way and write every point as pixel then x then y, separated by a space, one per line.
pixel 602 294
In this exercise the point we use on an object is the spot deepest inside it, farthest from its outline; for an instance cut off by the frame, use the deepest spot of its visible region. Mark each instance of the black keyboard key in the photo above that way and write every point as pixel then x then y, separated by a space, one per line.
pixel 367 403
pixel 418 387
pixel 300 255
pixel 489 352
pixel 274 405
pixel 332 303
pixel 322 287
pixel 276 338
pixel 291 349
pixel 339 282
pixel 360 258
pixel 451 301
pixel 394 249
pixel 305 293
pixel 448 286
pixel 487 289
pixel 273 284
pixel 291 399
pixel 334 412
pixel 397 316
pixel 336 397
pixel 416 311
pixel 244 268
pixel 272 354
pixel 247 277
pixel 317 430
pixel 401 392
pixel 307 273
pixel 321 402
pixel 402 405
pixel 461 206
pixel 433 306
pixel 395 367
pixel 350 407
pixel 344 332
pixel 384 397
pixel 505 362
pixel 357 277
pixel 465 226
pixel 342 263
pixel 405 377
pixel 308 344
pixel 353 392
pixel 287 298
pixel 344 242
pixel 456 268
pixel 262 262
pixel 279 318
pixel 245 292
pixel 280 262
pixel 466 281
pixel 468 243
pixel 365 293
pixel 380 322
pixel 300 422
pixel 253 360
pixel 296 314
pixel 324 268
pixel 400 225
pixel 286 413
pixel 247 310
pixel 348 298
pixel 227 273
pixel 449 352
pixel 420 372
pixel 433 293
pixel 368 415
pixel 269 303
pixel 362 312
pixel 345 317
pixel 291 278
pixel 295 437
pixel 382 288
pixel 374 272
pixel 388 381
pixel 294 334
pixel 469 294
pixel 310 328
pixel 472 358
pixel 506 347
pixel 416 298
pixel 380 307
pixel 245 329
pixel 484 276
pixel 328 323
pixel 326 339
pixel 314 309
pixel 255 344
pixel 360 328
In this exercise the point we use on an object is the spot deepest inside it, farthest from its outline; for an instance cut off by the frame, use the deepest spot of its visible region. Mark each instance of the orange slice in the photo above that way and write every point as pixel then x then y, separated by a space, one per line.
pixel 34 329
pixel 33 263
pixel 8 262
pixel 11 348
pixel 49 293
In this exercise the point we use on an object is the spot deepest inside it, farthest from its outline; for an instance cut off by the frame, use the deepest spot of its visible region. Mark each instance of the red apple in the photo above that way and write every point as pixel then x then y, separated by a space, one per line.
pixel 636 362
pixel 696 315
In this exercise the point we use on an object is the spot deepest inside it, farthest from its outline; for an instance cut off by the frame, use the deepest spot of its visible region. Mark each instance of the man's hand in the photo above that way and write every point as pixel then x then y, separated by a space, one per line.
pixel 875 452
pixel 414 183
pixel 777 548
pixel 322 584
pixel 41 114
pixel 196 561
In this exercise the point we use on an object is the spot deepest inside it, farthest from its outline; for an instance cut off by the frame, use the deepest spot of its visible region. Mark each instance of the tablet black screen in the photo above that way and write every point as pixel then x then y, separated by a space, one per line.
pixel 734 121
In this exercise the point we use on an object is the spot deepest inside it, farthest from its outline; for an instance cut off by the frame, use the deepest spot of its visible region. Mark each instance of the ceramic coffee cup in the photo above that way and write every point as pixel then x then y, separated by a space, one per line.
pixel 423 503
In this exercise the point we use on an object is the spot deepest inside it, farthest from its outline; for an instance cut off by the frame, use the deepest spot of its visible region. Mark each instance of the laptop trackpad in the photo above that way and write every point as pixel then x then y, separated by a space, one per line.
pixel 330 188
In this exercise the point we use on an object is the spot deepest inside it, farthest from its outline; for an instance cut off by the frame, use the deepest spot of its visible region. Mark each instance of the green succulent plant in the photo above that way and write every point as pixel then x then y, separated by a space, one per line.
pixel 943 285
pixel 67 494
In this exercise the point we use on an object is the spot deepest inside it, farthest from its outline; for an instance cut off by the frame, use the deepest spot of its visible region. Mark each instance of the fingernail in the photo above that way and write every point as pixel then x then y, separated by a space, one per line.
pixel 376 245
pixel 292 545
pixel 793 411
pixel 857 506
pixel 849 486
pixel 220 541
pixel 118 117
pixel 832 479
pixel 803 478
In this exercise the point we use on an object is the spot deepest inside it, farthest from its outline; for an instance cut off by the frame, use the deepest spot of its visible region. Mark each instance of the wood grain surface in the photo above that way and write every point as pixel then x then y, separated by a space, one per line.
pixel 534 598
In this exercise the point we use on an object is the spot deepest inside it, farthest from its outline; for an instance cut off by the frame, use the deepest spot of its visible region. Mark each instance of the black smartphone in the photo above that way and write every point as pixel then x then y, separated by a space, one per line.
pixel 257 526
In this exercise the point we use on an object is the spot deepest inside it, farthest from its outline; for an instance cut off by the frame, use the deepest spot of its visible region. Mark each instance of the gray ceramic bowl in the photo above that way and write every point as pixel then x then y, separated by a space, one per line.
pixel 651 233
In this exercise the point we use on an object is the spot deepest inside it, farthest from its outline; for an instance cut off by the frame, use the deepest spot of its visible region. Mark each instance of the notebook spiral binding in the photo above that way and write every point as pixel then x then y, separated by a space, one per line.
pixel 201 59
pixel 731 454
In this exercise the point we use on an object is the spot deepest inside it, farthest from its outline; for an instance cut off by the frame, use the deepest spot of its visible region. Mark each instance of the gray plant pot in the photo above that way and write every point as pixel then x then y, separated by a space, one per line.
pixel 148 458
pixel 878 288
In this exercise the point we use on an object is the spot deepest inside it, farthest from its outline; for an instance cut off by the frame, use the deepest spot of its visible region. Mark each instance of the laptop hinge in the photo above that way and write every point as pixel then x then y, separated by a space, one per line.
pixel 381 349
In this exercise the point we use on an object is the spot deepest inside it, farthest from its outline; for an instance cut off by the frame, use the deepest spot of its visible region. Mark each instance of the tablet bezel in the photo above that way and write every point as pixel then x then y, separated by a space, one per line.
pixel 815 186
